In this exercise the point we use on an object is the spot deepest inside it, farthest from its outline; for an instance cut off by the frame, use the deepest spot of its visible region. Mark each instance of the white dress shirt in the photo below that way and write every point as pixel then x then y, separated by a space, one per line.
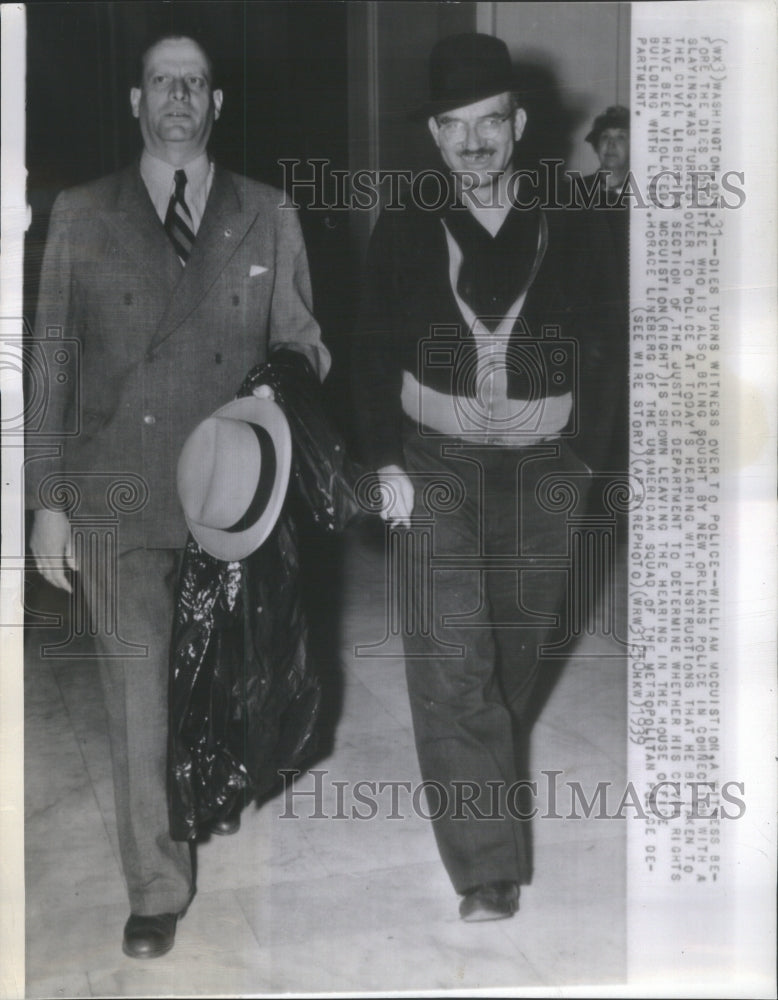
pixel 159 178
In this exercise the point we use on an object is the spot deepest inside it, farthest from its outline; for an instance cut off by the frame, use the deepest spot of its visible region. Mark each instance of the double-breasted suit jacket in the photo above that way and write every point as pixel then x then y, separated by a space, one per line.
pixel 159 346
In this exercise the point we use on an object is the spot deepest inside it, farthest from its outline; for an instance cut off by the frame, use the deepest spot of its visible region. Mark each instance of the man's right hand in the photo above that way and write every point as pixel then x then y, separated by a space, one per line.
pixel 50 543
pixel 396 495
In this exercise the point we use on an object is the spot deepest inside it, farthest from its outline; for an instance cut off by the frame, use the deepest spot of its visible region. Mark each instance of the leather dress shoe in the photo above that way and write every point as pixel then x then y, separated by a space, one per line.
pixel 490 901
pixel 149 937
pixel 227 825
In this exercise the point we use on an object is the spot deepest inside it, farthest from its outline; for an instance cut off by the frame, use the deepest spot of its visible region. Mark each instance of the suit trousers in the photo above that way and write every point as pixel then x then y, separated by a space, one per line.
pixel 157 870
pixel 488 585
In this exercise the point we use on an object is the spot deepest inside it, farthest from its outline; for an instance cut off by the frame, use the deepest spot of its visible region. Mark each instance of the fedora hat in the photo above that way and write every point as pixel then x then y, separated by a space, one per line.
pixel 464 69
pixel 616 116
pixel 232 476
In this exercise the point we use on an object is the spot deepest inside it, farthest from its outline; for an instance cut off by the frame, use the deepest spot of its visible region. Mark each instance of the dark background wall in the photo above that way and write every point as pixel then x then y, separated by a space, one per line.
pixel 574 59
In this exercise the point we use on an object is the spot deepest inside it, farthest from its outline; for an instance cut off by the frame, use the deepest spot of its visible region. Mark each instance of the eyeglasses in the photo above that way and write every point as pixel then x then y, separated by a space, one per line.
pixel 488 127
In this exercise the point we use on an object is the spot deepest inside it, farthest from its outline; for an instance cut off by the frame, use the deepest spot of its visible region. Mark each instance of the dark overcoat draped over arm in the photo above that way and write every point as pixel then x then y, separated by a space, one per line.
pixel 244 696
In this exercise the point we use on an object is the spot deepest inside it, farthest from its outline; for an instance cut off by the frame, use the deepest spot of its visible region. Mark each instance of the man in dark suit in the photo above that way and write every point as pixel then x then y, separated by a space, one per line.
pixel 174 277
pixel 486 364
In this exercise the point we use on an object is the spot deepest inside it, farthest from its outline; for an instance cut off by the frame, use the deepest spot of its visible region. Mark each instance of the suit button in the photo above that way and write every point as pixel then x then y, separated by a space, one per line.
pixel 148 419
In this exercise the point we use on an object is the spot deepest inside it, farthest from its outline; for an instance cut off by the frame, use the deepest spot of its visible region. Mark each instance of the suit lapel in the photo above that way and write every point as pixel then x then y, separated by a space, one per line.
pixel 221 232
pixel 140 232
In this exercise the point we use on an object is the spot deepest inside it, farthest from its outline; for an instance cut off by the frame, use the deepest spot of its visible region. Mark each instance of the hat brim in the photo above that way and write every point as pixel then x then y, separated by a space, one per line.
pixel 594 136
pixel 429 109
pixel 233 546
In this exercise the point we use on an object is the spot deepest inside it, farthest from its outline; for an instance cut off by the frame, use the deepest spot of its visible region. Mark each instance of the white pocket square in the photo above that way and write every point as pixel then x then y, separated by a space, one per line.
pixel 255 269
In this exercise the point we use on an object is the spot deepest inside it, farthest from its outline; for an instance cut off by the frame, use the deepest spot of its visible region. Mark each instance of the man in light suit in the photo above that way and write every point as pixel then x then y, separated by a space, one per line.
pixel 174 277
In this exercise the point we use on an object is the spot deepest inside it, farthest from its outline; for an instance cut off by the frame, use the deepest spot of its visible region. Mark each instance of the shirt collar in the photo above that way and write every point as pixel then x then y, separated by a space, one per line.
pixel 159 175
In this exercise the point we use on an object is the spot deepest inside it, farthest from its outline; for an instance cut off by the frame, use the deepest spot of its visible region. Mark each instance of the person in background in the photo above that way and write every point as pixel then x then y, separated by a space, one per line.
pixel 609 138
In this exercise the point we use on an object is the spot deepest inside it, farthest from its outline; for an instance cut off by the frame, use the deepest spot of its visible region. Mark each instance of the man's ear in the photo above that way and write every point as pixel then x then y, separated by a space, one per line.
pixel 218 97
pixel 519 123
pixel 434 128
pixel 135 101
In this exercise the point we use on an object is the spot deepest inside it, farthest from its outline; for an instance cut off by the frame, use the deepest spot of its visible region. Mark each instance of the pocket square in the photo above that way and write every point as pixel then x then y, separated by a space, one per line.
pixel 256 269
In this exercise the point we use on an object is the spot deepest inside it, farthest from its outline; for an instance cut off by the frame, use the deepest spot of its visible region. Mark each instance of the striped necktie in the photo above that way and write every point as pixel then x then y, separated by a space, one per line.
pixel 178 221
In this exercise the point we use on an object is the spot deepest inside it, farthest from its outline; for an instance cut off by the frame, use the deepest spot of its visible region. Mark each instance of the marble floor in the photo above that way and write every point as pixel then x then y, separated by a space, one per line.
pixel 314 904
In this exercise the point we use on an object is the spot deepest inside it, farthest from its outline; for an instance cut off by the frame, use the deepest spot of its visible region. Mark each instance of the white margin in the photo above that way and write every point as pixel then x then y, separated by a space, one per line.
pixel 14 219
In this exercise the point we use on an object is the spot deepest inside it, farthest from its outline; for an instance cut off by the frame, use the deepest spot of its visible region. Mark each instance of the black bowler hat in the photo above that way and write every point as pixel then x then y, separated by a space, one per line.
pixel 616 116
pixel 465 69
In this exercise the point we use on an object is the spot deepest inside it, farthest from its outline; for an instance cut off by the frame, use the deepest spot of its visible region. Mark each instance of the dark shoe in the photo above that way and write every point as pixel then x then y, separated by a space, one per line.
pixel 490 901
pixel 227 825
pixel 149 937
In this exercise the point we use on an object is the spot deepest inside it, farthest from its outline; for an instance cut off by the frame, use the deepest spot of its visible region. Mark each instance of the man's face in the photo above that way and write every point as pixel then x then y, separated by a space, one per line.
pixel 175 105
pixel 613 150
pixel 479 138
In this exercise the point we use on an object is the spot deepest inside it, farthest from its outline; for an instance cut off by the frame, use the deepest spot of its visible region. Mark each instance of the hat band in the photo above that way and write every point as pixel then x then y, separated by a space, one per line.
pixel 267 478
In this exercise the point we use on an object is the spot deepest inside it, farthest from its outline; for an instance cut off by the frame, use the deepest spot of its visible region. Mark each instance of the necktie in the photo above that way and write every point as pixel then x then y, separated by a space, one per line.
pixel 178 221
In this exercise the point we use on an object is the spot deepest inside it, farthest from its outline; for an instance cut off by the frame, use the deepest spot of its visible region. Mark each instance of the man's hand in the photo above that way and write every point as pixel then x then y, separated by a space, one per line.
pixel 396 495
pixel 51 545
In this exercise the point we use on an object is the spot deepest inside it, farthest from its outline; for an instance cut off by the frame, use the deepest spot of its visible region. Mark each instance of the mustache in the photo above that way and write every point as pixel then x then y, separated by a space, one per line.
pixel 481 151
